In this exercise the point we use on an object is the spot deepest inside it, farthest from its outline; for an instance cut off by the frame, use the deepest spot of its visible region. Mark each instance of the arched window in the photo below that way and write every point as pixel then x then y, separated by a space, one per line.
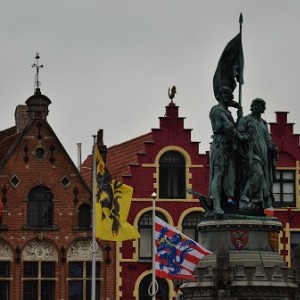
pixel 190 223
pixel 172 176
pixel 145 230
pixel 40 210
pixel 163 288
pixel 84 216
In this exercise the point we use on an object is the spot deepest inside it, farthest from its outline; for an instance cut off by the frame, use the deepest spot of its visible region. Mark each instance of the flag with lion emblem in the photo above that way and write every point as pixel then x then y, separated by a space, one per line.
pixel 176 255
pixel 112 203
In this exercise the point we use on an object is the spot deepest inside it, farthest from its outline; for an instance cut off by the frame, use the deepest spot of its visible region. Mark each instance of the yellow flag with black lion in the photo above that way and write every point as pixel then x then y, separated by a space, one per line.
pixel 112 204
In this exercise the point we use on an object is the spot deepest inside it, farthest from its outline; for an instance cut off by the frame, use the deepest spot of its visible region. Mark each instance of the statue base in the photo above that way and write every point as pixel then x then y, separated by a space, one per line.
pixel 244 264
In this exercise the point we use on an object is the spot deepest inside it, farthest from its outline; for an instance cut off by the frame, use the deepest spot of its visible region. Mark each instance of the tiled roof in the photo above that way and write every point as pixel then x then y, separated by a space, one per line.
pixel 7 139
pixel 119 158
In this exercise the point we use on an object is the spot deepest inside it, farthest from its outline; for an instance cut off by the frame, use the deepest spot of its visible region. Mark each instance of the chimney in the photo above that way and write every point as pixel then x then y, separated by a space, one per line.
pixel 21 117
pixel 79 156
pixel 102 148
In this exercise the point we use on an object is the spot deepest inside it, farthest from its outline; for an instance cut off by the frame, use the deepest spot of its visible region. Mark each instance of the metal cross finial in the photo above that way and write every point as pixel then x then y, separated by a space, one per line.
pixel 37 83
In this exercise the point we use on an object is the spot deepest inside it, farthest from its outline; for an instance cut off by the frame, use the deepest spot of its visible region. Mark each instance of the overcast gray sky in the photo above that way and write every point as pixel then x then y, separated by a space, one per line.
pixel 109 64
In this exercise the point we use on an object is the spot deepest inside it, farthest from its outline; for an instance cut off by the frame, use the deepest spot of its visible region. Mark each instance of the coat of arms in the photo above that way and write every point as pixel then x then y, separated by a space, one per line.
pixel 239 238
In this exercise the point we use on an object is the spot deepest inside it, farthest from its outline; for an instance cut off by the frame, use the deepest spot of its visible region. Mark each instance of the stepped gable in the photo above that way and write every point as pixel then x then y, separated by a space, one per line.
pixel 283 131
pixel 124 161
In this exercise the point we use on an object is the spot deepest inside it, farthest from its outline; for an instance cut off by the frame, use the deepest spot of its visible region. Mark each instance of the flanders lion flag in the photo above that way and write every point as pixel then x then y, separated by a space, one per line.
pixel 112 202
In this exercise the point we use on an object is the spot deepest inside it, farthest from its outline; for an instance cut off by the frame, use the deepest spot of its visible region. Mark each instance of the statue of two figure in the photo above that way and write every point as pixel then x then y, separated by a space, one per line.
pixel 242 158
pixel 242 155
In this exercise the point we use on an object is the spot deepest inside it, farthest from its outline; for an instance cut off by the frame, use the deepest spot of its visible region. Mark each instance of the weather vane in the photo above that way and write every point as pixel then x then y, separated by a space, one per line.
pixel 37 83
pixel 172 92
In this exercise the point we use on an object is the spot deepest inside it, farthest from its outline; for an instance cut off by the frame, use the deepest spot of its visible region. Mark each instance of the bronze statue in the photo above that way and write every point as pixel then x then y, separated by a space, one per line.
pixel 242 156
pixel 258 156
pixel 223 151
pixel 225 134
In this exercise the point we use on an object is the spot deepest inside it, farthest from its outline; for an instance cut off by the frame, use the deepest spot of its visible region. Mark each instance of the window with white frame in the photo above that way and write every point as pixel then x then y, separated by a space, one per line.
pixel 80 280
pixel 172 176
pixel 79 259
pixel 39 270
pixel 145 229
pixel 284 188
pixel 39 280
pixel 190 225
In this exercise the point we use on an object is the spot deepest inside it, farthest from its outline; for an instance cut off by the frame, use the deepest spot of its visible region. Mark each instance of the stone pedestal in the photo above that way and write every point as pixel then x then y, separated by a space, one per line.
pixel 244 264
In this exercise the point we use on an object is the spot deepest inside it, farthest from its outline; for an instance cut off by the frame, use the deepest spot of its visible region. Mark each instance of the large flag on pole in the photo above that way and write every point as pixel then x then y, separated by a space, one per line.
pixel 112 202
pixel 176 255
pixel 230 66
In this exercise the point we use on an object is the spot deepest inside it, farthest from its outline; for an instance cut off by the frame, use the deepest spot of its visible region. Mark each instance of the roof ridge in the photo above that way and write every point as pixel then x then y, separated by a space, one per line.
pixel 131 140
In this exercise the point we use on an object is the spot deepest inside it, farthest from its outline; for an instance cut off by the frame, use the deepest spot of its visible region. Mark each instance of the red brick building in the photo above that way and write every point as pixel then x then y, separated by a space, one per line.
pixel 166 161
pixel 45 229
pixel 287 186
pixel 165 157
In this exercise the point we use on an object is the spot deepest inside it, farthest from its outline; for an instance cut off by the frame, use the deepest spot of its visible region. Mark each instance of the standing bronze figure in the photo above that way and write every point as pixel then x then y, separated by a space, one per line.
pixel 223 151
pixel 225 134
pixel 258 157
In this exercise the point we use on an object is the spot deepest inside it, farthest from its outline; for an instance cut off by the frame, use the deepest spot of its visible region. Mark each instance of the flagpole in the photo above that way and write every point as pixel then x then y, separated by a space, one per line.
pixel 154 291
pixel 94 245
pixel 240 86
